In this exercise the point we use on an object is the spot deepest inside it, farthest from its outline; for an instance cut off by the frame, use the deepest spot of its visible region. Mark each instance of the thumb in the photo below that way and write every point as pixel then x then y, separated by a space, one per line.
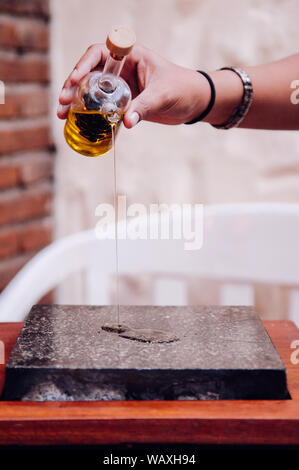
pixel 139 109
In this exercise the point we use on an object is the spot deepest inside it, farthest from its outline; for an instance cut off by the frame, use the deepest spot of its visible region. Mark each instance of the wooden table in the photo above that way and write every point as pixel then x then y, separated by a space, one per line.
pixel 204 422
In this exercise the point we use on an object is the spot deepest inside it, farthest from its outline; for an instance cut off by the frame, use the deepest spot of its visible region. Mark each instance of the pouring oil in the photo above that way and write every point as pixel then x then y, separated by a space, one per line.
pixel 115 200
pixel 97 110
pixel 101 99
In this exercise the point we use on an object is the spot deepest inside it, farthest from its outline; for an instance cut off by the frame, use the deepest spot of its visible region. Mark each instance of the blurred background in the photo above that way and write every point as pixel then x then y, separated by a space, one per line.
pixel 48 191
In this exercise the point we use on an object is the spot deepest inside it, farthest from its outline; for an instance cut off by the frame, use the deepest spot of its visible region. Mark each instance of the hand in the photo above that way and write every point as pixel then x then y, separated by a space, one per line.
pixel 162 91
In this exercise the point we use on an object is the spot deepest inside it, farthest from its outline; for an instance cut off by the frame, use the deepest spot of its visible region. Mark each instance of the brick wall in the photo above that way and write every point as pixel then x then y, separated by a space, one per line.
pixel 26 149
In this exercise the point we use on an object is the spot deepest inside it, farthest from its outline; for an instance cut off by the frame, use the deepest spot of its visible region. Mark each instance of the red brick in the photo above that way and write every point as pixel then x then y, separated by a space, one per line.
pixel 26 164
pixel 9 175
pixel 35 167
pixel 24 68
pixel 38 8
pixel 24 238
pixel 25 101
pixel 24 136
pixel 35 235
pixel 25 169
pixel 24 34
pixel 10 267
pixel 8 242
pixel 17 205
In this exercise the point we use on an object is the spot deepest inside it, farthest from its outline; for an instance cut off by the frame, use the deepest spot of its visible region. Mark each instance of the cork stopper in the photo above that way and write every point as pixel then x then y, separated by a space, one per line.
pixel 120 41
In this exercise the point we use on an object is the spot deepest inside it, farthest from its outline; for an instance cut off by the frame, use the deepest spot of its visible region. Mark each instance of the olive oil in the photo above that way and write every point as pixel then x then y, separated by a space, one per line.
pixel 89 132
pixel 101 99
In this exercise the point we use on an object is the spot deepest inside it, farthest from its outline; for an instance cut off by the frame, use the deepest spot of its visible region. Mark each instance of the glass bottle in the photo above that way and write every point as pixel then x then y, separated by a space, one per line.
pixel 101 99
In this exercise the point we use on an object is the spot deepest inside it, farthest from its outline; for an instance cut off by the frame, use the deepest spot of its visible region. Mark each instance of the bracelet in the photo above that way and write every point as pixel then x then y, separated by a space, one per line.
pixel 212 99
pixel 243 108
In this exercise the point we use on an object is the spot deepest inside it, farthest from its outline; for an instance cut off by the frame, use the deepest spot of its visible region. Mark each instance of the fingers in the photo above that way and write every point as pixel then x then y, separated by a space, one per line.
pixel 66 95
pixel 62 111
pixel 94 56
pixel 131 119
pixel 140 108
pixel 65 99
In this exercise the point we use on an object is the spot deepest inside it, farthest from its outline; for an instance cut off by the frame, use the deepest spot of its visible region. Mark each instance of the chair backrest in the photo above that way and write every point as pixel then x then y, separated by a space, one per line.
pixel 242 244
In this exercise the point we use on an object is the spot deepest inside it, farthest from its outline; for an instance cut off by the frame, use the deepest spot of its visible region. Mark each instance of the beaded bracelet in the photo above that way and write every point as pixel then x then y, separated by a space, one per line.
pixel 243 108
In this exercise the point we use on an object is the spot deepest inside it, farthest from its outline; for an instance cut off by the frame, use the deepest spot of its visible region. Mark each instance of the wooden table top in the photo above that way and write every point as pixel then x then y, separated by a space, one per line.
pixel 193 422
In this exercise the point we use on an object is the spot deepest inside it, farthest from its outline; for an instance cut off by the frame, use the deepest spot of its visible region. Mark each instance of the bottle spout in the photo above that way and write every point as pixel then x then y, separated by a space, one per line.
pixel 120 42
pixel 108 82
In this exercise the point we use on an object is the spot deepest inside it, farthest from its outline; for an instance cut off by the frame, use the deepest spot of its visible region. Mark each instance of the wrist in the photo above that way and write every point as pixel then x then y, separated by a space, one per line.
pixel 229 92
pixel 199 97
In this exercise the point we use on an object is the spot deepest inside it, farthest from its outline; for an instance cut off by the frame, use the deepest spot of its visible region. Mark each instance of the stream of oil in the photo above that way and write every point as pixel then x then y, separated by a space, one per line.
pixel 147 335
pixel 115 200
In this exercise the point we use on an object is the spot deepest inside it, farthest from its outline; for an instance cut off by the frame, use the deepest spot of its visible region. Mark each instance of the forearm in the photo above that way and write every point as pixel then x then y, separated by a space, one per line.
pixel 271 107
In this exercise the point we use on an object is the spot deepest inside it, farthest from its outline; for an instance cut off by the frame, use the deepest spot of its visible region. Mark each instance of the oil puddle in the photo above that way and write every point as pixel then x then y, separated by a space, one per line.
pixel 145 335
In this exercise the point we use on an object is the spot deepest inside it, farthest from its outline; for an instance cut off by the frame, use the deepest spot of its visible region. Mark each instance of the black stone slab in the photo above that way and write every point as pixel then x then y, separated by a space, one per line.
pixel 222 353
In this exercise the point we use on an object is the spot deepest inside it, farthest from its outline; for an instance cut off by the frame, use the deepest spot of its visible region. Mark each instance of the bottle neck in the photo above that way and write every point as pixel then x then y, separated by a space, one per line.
pixel 110 74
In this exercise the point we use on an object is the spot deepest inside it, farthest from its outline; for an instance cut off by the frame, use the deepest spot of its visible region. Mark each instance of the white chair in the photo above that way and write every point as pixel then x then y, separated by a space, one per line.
pixel 242 244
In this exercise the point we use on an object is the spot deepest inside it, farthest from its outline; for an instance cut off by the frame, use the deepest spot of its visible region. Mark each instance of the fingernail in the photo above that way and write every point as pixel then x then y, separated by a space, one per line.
pixel 134 118
pixel 61 109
